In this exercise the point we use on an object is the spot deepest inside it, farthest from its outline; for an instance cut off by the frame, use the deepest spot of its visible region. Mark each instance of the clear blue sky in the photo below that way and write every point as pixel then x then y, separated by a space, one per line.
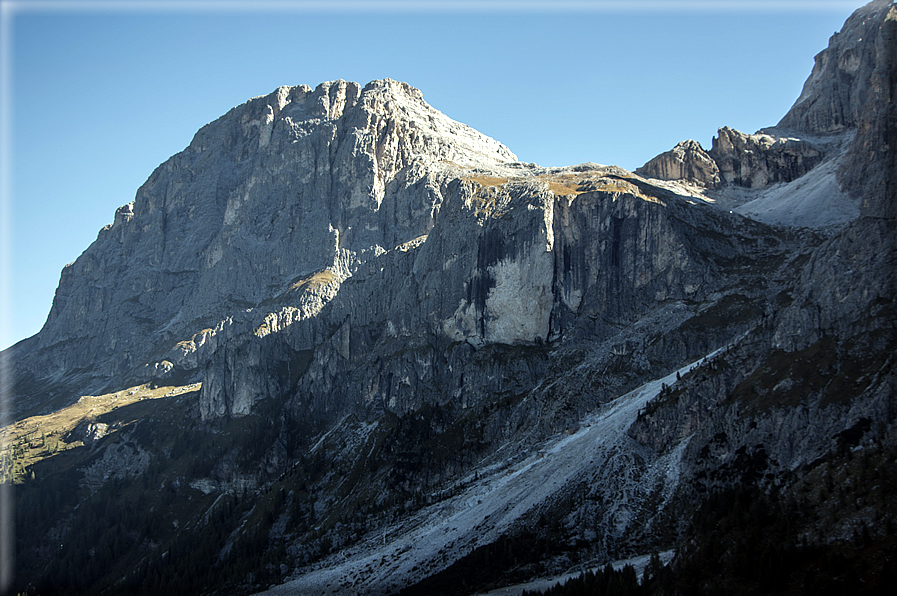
pixel 98 94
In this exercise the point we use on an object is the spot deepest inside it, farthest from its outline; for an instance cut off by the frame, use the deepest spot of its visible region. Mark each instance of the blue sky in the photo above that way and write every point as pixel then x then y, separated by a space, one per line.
pixel 97 94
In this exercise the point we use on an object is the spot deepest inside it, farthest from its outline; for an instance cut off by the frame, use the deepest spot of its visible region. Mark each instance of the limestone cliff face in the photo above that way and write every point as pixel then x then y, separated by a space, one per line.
pixel 816 375
pixel 819 368
pixel 845 76
pixel 279 188
pixel 853 86
pixel 868 170
pixel 758 160
pixel 514 265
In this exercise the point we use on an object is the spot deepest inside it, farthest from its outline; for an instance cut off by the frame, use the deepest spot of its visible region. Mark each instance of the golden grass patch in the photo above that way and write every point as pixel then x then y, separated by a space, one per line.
pixel 493 181
pixel 33 439
pixel 314 281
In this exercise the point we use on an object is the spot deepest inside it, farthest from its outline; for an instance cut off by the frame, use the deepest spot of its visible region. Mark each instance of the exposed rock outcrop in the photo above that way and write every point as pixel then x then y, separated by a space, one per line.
pixel 686 161
pixel 750 161
pixel 817 377
pixel 810 379
pixel 512 265
pixel 758 160
pixel 869 168
pixel 846 75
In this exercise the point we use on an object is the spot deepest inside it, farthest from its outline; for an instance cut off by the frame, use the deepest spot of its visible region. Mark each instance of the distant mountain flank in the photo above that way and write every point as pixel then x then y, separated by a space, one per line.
pixel 823 162
pixel 344 344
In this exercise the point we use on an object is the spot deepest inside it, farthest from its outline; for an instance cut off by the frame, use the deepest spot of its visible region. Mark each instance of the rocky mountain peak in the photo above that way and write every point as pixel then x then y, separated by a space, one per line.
pixel 358 111
pixel 279 189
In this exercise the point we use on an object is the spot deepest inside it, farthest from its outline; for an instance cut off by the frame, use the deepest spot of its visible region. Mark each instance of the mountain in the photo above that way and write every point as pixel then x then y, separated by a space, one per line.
pixel 276 190
pixel 344 344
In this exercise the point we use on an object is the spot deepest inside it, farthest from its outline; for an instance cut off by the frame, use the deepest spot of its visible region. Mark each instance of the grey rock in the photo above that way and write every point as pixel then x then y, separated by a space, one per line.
pixel 846 288
pixel 514 265
pixel 384 307
pixel 735 158
pixel 849 92
pixel 758 160
pixel 686 161
pixel 868 170
pixel 119 461
pixel 281 187
pixel 852 87
pixel 845 74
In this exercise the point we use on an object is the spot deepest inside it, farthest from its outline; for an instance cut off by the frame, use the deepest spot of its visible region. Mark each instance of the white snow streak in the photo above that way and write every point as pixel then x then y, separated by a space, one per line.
pixel 439 534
